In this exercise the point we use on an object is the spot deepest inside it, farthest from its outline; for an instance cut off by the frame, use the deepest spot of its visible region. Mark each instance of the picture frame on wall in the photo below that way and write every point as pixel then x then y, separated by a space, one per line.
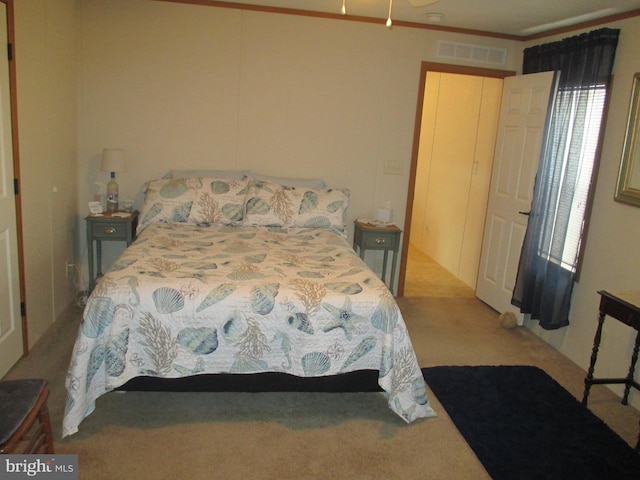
pixel 628 187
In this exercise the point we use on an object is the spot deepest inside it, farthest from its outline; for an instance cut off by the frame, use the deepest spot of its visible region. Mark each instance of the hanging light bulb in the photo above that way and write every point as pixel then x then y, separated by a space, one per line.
pixel 343 10
pixel 389 23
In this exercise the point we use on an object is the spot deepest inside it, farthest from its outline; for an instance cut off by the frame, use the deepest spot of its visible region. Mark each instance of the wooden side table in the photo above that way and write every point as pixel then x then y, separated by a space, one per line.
pixel 107 227
pixel 625 307
pixel 374 237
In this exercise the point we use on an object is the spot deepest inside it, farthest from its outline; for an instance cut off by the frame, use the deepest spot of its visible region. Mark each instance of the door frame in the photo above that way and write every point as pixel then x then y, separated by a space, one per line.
pixel 16 166
pixel 426 67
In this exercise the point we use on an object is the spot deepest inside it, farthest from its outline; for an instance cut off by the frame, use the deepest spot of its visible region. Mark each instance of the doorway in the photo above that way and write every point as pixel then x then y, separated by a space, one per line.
pixel 456 260
pixel 13 334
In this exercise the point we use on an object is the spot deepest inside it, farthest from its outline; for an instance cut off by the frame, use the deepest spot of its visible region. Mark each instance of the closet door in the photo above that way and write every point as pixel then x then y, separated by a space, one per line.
pixel 459 118
pixel 451 165
pixel 10 315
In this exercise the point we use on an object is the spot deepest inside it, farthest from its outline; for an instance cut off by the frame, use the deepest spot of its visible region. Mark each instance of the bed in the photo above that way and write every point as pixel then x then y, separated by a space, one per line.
pixel 241 277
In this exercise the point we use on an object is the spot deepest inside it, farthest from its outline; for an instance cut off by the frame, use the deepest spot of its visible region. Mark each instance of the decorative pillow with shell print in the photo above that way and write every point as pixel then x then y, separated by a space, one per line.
pixel 167 200
pixel 218 201
pixel 270 204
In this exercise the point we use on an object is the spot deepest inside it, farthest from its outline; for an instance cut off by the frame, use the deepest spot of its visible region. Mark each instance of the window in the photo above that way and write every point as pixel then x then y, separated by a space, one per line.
pixel 584 108
pixel 555 231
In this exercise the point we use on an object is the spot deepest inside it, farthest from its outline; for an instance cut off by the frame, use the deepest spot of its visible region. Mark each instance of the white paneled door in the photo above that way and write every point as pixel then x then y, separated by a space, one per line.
pixel 521 131
pixel 10 316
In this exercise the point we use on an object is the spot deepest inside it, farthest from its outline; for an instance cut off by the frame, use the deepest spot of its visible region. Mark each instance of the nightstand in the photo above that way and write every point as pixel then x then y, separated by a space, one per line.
pixel 624 307
pixel 107 227
pixel 375 237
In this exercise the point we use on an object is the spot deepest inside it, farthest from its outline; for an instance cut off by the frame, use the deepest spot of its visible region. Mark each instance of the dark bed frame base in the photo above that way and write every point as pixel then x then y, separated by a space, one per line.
pixel 358 381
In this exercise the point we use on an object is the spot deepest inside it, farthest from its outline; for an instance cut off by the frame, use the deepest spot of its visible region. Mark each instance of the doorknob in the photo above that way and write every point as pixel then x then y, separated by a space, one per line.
pixel 525 213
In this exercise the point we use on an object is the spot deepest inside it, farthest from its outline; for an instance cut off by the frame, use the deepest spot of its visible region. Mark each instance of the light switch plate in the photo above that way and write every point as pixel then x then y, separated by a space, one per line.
pixel 392 167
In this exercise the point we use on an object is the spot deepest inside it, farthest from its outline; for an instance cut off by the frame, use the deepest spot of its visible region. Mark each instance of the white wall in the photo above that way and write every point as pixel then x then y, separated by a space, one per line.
pixel 612 255
pixel 46 55
pixel 195 86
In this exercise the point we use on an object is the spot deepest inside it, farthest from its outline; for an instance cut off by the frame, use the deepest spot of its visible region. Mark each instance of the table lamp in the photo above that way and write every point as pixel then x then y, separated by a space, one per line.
pixel 112 161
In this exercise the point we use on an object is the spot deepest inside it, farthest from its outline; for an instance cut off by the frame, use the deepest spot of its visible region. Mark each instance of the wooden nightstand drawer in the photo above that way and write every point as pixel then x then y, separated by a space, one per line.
pixel 109 230
pixel 379 241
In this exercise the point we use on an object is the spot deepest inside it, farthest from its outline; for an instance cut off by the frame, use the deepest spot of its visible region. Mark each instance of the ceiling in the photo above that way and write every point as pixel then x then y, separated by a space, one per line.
pixel 510 17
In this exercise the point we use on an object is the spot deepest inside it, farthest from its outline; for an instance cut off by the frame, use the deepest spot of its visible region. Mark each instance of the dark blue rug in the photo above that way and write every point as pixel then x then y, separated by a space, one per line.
pixel 522 424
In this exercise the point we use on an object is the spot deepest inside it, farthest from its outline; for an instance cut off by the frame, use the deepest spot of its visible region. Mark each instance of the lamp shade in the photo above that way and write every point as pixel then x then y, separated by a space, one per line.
pixel 113 160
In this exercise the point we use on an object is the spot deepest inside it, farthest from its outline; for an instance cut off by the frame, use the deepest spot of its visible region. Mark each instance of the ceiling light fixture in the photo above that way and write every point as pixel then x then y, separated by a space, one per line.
pixel 389 23
pixel 434 17
pixel 343 10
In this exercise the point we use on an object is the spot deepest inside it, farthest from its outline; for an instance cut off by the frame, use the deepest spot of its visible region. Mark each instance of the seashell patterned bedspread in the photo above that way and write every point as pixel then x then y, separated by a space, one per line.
pixel 185 299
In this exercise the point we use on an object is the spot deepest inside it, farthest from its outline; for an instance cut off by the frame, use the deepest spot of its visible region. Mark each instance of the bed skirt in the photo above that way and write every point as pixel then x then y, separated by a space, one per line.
pixel 350 382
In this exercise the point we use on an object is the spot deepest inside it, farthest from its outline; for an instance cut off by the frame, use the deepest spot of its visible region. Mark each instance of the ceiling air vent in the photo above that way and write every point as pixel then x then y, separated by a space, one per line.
pixel 472 53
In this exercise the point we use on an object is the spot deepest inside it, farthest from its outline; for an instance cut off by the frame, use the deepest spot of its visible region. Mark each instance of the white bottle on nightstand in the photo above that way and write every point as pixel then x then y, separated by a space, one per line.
pixel 112 194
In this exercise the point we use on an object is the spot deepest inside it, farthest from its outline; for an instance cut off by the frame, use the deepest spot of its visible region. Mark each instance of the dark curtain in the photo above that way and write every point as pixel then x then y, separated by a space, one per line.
pixel 545 278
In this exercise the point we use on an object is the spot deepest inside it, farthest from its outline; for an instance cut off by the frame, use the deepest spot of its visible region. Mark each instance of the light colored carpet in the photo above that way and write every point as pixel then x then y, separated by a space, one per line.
pixel 145 435
pixel 426 278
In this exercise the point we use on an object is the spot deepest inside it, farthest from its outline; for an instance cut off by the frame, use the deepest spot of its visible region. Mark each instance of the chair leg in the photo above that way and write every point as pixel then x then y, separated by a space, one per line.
pixel 45 422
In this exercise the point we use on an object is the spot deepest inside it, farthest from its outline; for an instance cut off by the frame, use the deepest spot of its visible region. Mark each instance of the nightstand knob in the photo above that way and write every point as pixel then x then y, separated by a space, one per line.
pixel 109 231
pixel 381 241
